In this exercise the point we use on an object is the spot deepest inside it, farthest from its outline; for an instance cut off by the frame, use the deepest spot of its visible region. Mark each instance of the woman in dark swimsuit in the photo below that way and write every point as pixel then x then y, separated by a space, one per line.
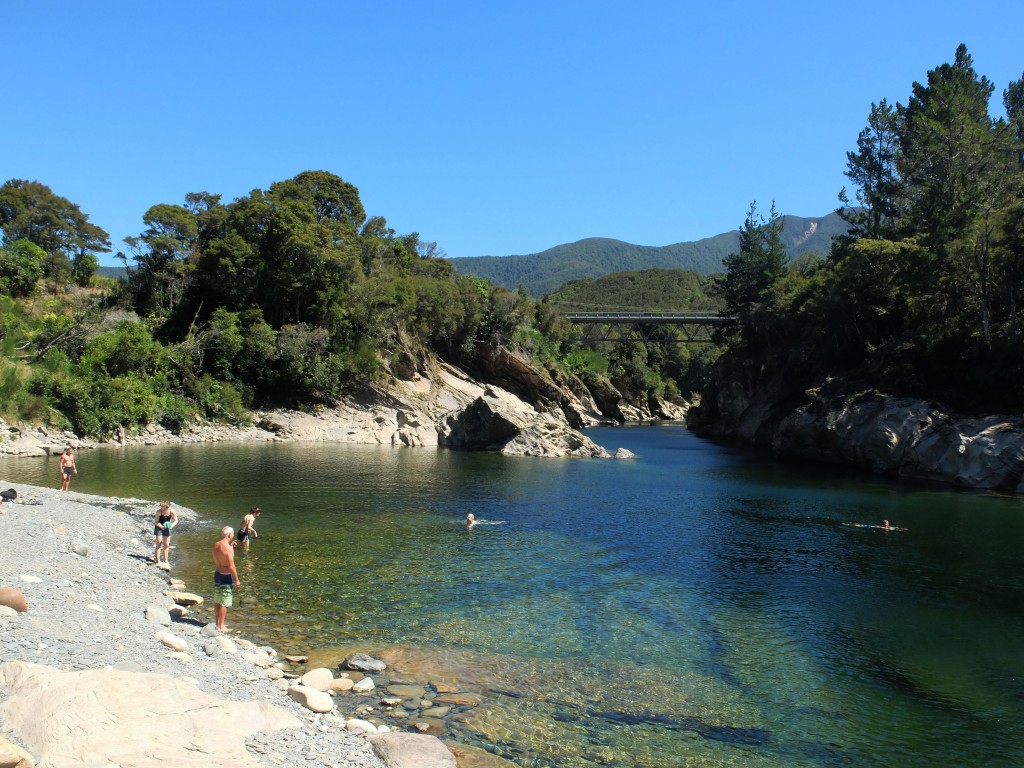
pixel 162 524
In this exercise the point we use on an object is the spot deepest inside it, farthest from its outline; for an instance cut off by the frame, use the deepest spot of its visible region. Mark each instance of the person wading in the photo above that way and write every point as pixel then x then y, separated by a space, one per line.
pixel 225 577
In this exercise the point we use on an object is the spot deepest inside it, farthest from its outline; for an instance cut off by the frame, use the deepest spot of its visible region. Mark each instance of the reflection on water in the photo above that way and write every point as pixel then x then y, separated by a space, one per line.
pixel 693 606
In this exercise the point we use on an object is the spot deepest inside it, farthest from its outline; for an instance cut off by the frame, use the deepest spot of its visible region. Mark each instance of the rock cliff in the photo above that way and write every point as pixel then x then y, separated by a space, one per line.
pixel 899 436
pixel 522 410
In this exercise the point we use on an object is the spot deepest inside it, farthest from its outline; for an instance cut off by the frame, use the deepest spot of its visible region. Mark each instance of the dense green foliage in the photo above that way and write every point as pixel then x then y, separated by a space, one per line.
pixel 288 296
pixel 32 213
pixel 542 273
pixel 922 294
pixel 650 290
pixel 662 365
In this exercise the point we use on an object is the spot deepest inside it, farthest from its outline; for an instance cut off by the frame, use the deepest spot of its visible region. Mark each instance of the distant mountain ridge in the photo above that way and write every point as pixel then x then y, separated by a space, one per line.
pixel 544 272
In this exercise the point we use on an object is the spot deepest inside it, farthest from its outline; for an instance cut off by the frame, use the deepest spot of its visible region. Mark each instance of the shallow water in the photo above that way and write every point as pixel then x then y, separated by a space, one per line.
pixel 693 606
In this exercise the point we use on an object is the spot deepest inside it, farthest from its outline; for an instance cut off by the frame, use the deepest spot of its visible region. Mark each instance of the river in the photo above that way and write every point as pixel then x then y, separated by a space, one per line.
pixel 697 605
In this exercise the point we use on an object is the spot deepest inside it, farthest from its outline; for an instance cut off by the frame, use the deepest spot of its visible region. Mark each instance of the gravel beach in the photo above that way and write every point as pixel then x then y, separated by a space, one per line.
pixel 95 601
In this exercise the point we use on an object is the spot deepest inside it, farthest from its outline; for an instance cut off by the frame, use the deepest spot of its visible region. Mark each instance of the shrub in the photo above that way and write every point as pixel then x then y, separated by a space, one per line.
pixel 220 400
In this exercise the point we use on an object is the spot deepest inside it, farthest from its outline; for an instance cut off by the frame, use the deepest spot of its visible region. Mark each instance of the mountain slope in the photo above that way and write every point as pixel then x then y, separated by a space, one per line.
pixel 651 289
pixel 542 273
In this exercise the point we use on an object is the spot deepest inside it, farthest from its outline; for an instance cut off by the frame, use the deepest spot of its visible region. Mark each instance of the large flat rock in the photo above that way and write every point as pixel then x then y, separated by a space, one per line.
pixel 129 719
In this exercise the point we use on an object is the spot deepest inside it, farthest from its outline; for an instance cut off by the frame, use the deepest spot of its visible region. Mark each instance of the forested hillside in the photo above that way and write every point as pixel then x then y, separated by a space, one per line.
pixel 541 273
pixel 651 289
pixel 289 296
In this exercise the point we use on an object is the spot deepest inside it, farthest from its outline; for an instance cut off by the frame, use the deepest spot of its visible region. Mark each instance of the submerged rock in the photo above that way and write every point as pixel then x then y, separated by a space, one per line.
pixel 363 663
pixel 411 750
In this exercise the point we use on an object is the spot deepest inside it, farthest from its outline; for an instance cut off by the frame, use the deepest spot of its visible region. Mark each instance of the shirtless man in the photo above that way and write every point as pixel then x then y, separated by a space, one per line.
pixel 245 530
pixel 225 577
pixel 470 520
pixel 67 466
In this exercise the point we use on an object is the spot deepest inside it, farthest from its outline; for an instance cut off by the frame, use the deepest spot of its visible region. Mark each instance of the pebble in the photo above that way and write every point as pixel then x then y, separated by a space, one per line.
pixel 95 600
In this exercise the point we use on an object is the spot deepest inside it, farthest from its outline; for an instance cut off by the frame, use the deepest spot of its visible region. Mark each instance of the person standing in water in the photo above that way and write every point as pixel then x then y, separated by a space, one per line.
pixel 166 518
pixel 246 530
pixel 470 520
pixel 225 577
pixel 67 467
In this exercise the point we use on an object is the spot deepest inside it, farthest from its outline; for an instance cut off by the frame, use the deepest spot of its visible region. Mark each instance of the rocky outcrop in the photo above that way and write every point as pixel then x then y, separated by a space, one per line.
pixel 900 436
pixel 492 423
pixel 522 409
pixel 444 406
pixel 908 438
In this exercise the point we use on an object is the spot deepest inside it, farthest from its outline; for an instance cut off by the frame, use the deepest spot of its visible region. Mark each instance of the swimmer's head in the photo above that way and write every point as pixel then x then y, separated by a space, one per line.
pixel 227 532
pixel 470 517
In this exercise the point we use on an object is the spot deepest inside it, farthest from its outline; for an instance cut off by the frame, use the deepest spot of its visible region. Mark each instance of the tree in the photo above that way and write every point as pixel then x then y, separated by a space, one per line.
pixel 947 133
pixel 163 254
pixel 948 158
pixel 31 211
pixel 752 272
pixel 1010 238
pixel 22 264
pixel 872 169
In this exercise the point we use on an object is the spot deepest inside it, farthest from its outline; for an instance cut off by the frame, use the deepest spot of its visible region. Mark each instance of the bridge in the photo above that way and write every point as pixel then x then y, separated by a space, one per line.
pixel 625 325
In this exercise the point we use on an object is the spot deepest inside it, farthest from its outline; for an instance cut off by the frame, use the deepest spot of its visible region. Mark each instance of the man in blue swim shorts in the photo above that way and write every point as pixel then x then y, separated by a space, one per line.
pixel 225 577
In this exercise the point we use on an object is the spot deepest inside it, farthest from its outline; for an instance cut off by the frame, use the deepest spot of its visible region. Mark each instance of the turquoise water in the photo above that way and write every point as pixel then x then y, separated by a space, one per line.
pixel 694 606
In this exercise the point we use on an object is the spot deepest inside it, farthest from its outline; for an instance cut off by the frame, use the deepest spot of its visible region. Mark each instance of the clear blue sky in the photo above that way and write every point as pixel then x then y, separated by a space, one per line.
pixel 490 128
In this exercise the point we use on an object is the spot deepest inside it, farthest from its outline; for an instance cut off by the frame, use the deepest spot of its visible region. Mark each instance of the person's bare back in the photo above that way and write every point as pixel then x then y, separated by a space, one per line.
pixel 225 577
pixel 224 558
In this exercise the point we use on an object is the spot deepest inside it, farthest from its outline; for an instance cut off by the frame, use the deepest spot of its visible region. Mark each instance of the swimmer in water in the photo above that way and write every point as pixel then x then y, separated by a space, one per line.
pixel 886 526
pixel 470 520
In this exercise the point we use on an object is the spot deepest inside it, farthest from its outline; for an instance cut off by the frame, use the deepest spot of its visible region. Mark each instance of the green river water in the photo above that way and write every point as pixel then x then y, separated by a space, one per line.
pixel 695 606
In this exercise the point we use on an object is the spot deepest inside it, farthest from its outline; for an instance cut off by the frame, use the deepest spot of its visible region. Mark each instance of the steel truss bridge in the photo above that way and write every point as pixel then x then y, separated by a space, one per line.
pixel 642 327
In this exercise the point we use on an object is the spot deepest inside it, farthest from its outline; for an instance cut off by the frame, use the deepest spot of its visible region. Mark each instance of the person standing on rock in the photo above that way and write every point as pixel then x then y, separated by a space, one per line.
pixel 166 518
pixel 67 467
pixel 246 530
pixel 225 577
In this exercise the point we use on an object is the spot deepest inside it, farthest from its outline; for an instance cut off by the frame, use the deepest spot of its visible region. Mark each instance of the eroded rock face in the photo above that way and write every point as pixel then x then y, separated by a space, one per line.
pixel 483 425
pixel 907 437
pixel 147 717
pixel 910 438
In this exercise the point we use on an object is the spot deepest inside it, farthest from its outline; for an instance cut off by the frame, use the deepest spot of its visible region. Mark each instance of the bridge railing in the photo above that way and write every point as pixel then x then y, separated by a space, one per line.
pixel 692 327
pixel 671 318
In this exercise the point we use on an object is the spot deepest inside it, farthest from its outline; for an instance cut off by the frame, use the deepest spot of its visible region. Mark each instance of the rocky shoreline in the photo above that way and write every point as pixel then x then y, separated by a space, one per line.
pixel 844 424
pixel 442 407
pixel 102 663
